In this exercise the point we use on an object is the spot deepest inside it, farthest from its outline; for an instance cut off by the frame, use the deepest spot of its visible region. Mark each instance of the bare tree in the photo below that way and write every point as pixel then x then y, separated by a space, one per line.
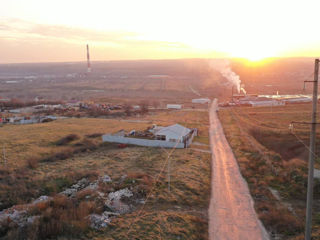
pixel 155 104
pixel 127 109
pixel 144 107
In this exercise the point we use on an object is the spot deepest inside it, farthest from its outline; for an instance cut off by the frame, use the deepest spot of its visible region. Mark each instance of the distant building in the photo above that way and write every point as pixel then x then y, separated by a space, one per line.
pixel 5 100
pixel 201 100
pixel 260 102
pixel 266 103
pixel 297 100
pixel 14 111
pixel 174 106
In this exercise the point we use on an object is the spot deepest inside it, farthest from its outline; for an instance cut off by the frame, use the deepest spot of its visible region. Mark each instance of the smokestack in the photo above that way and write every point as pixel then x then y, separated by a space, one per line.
pixel 232 94
pixel 88 60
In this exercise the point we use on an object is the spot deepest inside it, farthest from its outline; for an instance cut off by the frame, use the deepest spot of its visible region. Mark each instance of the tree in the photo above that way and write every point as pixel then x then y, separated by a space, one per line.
pixel 144 107
pixel 155 104
pixel 127 109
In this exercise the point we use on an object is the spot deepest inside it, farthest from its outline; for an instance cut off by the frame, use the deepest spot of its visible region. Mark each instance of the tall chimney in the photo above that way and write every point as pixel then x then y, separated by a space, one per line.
pixel 88 60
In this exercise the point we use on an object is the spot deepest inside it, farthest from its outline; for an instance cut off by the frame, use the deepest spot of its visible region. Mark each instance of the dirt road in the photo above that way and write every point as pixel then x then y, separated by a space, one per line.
pixel 231 212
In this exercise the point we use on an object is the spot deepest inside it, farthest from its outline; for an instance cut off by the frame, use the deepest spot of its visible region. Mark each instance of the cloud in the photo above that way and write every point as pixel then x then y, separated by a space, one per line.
pixel 16 28
pixel 24 41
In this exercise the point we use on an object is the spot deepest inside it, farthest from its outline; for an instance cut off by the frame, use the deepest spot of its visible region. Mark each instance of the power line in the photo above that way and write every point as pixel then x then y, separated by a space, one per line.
pixel 305 145
pixel 156 181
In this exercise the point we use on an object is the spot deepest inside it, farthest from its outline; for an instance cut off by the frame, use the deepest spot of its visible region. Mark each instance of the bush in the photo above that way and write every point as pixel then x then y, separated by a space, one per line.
pixel 67 139
pixel 33 162
pixel 94 135
pixel 67 153
pixel 60 217
pixel 281 220
pixel 85 145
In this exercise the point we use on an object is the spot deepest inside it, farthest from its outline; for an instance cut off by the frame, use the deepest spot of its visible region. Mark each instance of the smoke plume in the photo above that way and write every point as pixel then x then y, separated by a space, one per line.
pixel 223 66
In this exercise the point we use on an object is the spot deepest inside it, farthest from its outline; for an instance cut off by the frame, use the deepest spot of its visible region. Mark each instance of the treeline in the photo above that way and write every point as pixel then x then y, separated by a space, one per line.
pixel 16 103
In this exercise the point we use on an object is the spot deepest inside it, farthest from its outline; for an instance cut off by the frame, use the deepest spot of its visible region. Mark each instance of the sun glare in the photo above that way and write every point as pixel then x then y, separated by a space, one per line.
pixel 255 57
pixel 254 54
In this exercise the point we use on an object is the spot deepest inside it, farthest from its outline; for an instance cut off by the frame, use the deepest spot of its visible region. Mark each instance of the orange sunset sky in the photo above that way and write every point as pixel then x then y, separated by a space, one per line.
pixel 45 30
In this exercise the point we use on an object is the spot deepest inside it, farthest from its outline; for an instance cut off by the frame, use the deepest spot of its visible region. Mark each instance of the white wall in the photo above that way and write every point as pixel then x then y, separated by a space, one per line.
pixel 141 142
pixel 171 135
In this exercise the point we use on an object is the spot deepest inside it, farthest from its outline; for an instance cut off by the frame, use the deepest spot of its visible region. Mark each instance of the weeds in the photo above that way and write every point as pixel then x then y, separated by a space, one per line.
pixel 94 135
pixel 67 139
pixel 33 162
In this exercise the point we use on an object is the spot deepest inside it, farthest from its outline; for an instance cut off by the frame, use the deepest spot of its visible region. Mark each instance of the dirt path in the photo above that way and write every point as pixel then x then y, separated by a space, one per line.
pixel 231 212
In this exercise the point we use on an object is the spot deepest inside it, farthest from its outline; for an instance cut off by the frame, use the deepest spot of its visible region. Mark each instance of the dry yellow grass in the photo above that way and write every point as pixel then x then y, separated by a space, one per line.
pixel 24 141
pixel 180 213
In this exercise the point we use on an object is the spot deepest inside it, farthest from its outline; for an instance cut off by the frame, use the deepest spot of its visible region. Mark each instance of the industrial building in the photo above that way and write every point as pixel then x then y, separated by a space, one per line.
pixel 174 106
pixel 201 100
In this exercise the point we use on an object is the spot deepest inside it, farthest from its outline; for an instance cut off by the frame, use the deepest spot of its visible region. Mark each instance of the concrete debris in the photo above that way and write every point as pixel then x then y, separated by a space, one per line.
pixel 123 177
pixel 100 194
pixel 117 203
pixel 41 199
pixel 114 202
pixel 141 201
pixel 111 213
pixel 69 192
pixel 18 217
pixel 99 221
pixel 105 179
pixel 81 184
pixel 31 219
pixel 118 206
pixel 119 194
pixel 94 185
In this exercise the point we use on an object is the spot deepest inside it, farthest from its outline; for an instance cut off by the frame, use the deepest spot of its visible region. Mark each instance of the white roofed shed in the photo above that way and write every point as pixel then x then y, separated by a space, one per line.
pixel 173 133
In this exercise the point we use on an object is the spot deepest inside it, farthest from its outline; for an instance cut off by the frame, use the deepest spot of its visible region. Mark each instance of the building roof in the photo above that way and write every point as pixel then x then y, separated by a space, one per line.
pixel 176 129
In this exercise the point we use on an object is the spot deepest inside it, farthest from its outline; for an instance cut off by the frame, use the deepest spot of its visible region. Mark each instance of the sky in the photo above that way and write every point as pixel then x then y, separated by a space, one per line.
pixel 51 31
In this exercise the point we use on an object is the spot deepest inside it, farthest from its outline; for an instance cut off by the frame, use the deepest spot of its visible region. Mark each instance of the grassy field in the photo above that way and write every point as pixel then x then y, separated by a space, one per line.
pixel 24 141
pixel 180 213
pixel 273 159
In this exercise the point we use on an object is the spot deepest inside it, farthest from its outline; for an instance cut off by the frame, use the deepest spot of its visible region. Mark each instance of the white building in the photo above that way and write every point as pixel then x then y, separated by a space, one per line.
pixel 173 133
pixel 298 100
pixel 201 100
pixel 174 136
pixel 174 106
pixel 266 103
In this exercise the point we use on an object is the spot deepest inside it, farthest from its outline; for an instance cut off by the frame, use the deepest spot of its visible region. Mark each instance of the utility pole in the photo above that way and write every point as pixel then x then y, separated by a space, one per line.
pixel 232 94
pixel 311 152
pixel 169 177
pixel 4 155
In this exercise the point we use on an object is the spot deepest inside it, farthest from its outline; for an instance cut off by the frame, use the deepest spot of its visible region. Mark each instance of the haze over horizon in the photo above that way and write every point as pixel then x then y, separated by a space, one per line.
pixel 57 31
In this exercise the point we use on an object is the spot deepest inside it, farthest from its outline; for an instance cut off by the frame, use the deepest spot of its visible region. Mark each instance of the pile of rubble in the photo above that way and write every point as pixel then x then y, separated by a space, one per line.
pixel 72 191
pixel 116 203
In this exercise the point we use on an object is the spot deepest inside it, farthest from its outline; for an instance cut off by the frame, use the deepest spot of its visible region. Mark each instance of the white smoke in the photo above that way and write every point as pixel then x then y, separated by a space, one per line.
pixel 243 90
pixel 223 66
